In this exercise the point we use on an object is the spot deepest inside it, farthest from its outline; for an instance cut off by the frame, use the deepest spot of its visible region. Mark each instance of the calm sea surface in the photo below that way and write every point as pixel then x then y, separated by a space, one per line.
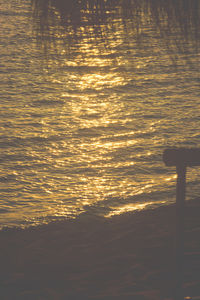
pixel 90 98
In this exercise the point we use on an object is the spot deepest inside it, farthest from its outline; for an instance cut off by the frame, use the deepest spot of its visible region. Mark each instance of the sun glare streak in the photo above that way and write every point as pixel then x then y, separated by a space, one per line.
pixel 99 81
pixel 129 208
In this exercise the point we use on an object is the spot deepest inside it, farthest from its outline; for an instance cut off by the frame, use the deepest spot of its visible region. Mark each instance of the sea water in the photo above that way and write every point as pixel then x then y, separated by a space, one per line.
pixel 90 98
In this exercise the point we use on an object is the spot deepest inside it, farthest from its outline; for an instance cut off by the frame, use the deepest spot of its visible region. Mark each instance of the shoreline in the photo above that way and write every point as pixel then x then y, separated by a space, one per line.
pixel 130 256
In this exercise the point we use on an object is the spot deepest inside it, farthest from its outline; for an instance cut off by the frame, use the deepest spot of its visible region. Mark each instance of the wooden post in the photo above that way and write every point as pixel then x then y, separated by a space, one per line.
pixel 181 158
pixel 180 199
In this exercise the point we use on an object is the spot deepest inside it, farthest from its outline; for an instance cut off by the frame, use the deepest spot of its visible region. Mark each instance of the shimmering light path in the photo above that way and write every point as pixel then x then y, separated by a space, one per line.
pixel 87 110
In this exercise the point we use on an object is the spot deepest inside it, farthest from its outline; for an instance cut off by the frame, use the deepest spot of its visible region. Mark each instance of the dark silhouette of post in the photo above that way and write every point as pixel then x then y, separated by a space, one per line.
pixel 180 201
pixel 181 158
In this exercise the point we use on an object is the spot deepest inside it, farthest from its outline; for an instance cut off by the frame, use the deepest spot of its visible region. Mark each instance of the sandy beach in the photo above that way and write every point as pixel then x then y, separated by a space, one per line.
pixel 125 257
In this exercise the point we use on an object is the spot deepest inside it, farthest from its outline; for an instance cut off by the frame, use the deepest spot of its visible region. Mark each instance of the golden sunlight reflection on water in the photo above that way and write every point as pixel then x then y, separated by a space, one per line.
pixel 85 123
pixel 130 207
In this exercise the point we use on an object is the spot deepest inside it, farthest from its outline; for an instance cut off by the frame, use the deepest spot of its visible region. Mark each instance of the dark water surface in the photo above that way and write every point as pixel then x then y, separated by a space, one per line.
pixel 92 92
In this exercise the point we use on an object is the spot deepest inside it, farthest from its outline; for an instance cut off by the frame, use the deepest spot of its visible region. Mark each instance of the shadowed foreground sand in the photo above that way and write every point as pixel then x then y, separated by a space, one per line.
pixel 126 257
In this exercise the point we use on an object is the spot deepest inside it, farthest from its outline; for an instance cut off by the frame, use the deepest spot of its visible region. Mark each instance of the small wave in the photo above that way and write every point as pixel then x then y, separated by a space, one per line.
pixel 8 178
pixel 47 103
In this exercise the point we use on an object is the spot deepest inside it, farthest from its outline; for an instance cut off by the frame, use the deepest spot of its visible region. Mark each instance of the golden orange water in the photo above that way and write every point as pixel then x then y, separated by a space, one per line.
pixel 88 106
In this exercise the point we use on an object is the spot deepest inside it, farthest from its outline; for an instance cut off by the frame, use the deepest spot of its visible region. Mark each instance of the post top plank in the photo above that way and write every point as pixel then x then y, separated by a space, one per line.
pixel 182 157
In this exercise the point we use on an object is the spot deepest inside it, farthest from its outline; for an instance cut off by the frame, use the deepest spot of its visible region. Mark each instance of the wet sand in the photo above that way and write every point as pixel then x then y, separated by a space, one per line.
pixel 126 257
